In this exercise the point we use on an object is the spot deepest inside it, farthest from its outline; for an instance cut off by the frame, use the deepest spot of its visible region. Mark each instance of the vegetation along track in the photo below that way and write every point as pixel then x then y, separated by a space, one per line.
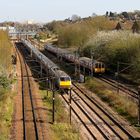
pixel 128 91
pixel 30 130
pixel 104 122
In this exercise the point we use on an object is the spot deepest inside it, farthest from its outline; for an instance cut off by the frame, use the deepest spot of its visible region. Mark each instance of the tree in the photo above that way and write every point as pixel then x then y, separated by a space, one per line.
pixel 135 27
pixel 106 14
pixel 125 14
pixel 94 15
pixel 75 17
pixel 111 14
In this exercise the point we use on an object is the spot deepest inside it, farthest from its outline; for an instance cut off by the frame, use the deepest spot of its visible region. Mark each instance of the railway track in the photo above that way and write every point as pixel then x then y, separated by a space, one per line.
pixel 128 91
pixel 105 123
pixel 102 123
pixel 30 130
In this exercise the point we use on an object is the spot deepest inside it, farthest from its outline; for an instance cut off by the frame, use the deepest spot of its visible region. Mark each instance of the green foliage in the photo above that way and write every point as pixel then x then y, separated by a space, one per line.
pixel 5 52
pixel 61 128
pixel 5 59
pixel 68 132
pixel 41 36
pixel 3 94
pixel 4 81
pixel 115 46
pixel 6 104
pixel 77 33
pixel 124 106
pixel 6 110
pixel 72 35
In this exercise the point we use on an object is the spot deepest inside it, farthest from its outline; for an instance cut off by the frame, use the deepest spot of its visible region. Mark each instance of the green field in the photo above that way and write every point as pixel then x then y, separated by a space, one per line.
pixel 6 79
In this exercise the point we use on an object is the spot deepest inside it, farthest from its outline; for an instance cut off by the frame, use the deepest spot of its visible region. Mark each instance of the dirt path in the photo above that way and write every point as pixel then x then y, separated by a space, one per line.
pixel 41 111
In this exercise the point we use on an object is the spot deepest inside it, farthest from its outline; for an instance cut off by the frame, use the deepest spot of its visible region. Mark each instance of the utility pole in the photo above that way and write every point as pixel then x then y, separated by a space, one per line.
pixel 41 66
pixel 75 65
pixel 70 104
pixel 118 65
pixel 78 68
pixel 31 53
pixel 47 81
pixel 53 106
pixel 84 70
pixel 53 102
pixel 138 105
pixel 92 62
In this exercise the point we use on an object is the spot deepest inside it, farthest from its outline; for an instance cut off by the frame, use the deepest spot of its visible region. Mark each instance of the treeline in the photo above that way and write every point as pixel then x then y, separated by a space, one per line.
pixel 5 62
pixel 6 105
pixel 116 46
pixel 100 35
pixel 76 34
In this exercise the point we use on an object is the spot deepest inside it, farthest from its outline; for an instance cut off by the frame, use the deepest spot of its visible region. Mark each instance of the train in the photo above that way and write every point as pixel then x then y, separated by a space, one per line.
pixel 60 78
pixel 94 66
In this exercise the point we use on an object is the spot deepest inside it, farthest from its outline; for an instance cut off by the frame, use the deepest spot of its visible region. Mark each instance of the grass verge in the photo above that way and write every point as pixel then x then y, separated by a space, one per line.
pixel 6 81
pixel 120 103
pixel 61 130
pixel 6 111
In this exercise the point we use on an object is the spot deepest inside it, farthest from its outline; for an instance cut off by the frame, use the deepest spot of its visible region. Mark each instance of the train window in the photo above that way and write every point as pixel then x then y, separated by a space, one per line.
pixel 64 79
pixel 103 66
pixel 100 65
pixel 96 65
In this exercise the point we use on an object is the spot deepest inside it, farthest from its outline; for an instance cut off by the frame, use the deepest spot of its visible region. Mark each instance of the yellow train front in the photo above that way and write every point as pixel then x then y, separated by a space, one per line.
pixel 64 80
pixel 98 67
pixel 94 65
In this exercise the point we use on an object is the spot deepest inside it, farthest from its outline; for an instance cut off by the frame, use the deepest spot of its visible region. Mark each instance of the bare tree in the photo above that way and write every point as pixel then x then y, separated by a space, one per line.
pixel 75 17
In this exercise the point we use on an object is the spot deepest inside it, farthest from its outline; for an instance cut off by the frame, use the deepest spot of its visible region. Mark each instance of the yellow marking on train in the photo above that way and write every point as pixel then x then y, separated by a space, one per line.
pixel 65 83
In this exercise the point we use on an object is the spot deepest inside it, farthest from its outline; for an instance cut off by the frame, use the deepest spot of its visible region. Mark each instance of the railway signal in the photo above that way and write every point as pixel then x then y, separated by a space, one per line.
pixel 92 53
pixel 139 105
pixel 70 104
pixel 53 111
pixel 120 71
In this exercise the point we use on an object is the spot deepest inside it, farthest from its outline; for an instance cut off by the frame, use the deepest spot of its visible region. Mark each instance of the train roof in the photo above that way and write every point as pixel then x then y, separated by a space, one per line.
pixel 56 49
pixel 61 73
pixel 88 60
pixel 46 61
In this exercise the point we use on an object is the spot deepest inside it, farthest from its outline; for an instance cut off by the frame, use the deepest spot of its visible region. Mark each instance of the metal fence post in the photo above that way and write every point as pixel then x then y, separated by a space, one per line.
pixel 70 104
pixel 47 80
pixel 138 105
pixel 53 106
pixel 118 65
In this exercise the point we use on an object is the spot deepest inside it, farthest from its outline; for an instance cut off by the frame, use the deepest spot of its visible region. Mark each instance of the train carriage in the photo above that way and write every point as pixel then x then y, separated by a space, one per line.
pixel 62 80
pixel 96 66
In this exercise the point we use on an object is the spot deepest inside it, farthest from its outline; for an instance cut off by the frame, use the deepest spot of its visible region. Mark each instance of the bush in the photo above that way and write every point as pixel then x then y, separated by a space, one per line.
pixel 6 103
pixel 114 46
pixel 4 81
pixel 76 34
pixel 124 106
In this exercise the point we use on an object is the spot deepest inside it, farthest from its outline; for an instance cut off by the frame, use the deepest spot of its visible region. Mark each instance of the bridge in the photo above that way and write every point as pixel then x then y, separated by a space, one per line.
pixel 19 34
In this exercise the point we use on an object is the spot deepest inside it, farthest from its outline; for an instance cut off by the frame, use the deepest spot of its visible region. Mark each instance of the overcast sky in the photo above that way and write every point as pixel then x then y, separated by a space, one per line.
pixel 48 10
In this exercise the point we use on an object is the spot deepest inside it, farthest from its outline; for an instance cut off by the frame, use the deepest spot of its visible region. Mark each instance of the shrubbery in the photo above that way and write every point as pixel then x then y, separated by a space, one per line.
pixel 108 46
pixel 4 82
pixel 76 34
pixel 6 103
pixel 5 59
pixel 114 46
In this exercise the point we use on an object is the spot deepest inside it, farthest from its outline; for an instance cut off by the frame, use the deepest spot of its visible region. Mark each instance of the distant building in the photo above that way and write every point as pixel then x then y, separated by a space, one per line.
pixel 8 28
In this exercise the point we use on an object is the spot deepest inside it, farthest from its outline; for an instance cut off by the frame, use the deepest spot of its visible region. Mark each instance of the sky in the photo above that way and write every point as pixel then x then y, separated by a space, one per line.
pixel 48 10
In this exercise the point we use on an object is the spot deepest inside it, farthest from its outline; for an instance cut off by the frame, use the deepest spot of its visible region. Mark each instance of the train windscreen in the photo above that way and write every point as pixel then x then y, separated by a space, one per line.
pixel 64 79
